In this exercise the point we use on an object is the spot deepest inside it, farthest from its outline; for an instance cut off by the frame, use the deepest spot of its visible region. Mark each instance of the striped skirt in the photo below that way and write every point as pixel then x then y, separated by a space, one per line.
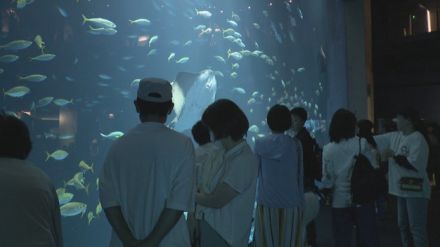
pixel 279 227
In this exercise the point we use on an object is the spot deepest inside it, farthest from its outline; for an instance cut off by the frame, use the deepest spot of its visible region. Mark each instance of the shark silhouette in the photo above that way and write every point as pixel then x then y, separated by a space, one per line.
pixel 192 94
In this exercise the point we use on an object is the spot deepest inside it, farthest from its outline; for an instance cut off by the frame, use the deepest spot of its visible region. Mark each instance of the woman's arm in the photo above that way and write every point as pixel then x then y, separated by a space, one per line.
pixel 221 196
pixel 328 177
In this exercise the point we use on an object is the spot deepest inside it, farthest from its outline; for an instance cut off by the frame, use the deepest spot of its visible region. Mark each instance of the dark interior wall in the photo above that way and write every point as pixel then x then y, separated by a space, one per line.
pixel 406 69
pixel 336 59
pixel 424 98
pixel 356 25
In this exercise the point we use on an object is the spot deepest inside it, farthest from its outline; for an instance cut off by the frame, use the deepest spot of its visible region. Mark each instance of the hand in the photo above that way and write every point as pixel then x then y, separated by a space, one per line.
pixel 326 195
pixel 148 243
pixel 386 154
pixel 132 243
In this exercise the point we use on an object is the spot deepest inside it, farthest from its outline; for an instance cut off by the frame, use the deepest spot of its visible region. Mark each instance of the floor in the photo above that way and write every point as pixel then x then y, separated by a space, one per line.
pixel 388 231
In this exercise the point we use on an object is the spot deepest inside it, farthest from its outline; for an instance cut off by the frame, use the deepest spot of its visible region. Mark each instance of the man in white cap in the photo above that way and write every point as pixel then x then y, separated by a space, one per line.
pixel 146 182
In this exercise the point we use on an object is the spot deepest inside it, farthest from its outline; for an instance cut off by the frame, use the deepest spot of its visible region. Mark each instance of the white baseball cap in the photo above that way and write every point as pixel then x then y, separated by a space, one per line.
pixel 155 90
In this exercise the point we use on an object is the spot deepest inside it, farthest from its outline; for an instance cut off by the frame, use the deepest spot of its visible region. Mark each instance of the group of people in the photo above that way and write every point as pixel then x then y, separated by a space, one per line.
pixel 404 153
pixel 218 182
pixel 153 175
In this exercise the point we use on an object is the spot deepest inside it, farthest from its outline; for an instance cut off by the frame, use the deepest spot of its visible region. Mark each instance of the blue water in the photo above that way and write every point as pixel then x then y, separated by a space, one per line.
pixel 96 72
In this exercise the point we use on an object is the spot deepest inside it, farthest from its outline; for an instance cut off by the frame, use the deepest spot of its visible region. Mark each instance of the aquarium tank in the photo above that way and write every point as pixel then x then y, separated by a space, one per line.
pixel 70 70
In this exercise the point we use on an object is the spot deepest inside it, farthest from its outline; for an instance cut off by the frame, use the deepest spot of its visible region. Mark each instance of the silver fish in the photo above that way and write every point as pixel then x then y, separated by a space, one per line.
pixel 141 22
pixel 99 22
pixel 18 91
pixel 33 78
pixel 43 58
pixel 16 45
pixel 73 209
pixel 10 58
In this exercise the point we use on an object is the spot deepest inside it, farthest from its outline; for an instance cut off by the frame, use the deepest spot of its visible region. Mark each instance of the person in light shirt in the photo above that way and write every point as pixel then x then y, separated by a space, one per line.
pixel 338 162
pixel 407 151
pixel 147 180
pixel 227 216
pixel 280 193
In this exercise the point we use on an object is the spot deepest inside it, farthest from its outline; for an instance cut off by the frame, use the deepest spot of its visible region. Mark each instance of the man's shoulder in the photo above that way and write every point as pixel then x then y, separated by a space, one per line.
pixel 28 169
pixel 33 169
pixel 177 135
pixel 25 166
pixel 166 134
pixel 247 155
pixel 261 140
pixel 390 135
pixel 417 139
pixel 272 139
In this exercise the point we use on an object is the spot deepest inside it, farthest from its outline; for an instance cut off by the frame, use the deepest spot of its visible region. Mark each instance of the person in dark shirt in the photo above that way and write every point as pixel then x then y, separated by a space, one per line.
pixel 433 133
pixel 312 167
pixel 30 212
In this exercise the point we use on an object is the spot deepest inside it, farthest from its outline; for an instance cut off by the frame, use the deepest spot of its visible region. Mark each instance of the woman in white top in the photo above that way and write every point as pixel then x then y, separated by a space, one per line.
pixel 338 161
pixel 407 153
pixel 227 210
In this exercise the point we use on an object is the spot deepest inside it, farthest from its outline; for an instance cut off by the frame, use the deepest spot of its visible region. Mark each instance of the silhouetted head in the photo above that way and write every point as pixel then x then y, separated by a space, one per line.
pixel 299 118
pixel 365 127
pixel 278 118
pixel 342 125
pixel 154 98
pixel 15 141
pixel 407 119
pixel 365 130
pixel 433 130
pixel 200 133
pixel 225 119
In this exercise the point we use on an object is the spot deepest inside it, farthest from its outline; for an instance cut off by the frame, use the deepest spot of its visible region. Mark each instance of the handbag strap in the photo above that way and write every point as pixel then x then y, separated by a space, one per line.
pixel 300 159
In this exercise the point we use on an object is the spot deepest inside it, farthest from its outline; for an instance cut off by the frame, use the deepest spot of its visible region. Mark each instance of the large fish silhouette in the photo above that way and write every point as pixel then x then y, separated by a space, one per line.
pixel 192 94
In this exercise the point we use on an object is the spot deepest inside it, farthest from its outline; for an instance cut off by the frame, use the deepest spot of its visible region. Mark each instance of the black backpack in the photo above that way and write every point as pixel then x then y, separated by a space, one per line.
pixel 363 180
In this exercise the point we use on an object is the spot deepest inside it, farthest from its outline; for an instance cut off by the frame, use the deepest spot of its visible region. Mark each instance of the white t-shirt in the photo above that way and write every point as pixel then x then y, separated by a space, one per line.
pixel 148 169
pixel 233 221
pixel 209 163
pixel 30 213
pixel 415 148
pixel 338 161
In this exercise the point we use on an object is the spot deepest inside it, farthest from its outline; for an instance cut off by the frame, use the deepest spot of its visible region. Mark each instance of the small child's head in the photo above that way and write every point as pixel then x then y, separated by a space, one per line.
pixel 200 133
pixel 278 119
pixel 365 127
